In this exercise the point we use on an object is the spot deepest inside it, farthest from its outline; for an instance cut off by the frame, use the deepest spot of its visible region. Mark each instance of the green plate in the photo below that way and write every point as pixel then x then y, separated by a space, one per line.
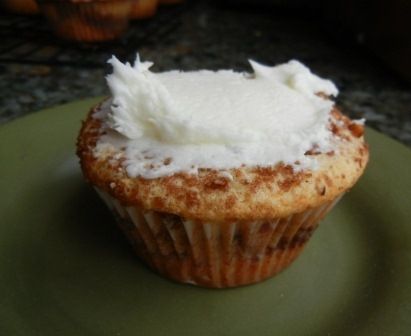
pixel 65 269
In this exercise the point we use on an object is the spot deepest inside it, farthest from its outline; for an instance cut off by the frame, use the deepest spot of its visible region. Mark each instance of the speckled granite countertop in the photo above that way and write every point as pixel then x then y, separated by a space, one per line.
pixel 215 37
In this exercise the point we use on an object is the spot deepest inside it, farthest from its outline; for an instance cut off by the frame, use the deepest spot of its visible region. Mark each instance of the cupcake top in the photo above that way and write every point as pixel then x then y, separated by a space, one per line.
pixel 221 144
pixel 218 120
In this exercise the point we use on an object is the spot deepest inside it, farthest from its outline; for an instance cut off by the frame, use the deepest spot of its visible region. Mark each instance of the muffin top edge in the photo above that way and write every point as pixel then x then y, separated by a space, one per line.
pixel 236 194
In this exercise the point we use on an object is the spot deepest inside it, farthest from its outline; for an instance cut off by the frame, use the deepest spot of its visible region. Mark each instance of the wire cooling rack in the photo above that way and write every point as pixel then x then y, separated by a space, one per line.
pixel 29 40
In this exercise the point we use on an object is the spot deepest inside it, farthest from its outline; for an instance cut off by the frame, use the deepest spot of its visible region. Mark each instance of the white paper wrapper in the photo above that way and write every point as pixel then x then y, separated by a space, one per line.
pixel 210 254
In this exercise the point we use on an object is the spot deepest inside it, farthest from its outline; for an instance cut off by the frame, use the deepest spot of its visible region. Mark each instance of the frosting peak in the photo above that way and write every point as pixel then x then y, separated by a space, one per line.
pixel 217 119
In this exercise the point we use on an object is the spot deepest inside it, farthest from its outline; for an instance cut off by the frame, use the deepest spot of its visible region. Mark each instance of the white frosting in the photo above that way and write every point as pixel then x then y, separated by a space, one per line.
pixel 218 120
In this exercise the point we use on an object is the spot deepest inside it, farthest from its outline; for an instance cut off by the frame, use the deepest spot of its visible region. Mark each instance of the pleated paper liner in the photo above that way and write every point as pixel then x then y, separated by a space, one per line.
pixel 89 21
pixel 218 255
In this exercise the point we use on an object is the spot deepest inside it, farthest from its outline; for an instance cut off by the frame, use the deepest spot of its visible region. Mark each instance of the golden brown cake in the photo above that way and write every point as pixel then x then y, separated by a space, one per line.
pixel 143 9
pixel 89 21
pixel 225 228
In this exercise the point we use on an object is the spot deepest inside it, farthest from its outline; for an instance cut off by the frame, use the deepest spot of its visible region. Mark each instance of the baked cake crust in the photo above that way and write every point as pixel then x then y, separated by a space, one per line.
pixel 252 193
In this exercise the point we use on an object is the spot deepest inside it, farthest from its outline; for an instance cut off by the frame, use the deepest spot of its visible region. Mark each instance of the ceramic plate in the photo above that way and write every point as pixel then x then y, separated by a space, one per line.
pixel 65 269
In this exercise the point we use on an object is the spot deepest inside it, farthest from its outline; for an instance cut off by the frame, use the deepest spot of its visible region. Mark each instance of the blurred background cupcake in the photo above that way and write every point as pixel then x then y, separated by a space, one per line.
pixel 143 9
pixel 89 21
pixel 21 6
pixel 170 2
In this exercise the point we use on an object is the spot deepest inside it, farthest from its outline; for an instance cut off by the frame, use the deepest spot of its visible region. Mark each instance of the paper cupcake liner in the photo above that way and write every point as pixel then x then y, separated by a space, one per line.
pixel 142 9
pixel 219 255
pixel 88 21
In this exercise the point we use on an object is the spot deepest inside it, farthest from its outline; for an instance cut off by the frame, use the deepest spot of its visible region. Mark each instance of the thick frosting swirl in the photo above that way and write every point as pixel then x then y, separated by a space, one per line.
pixel 180 121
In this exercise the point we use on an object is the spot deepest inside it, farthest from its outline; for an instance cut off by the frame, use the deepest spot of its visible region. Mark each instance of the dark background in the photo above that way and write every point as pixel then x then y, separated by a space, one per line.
pixel 363 46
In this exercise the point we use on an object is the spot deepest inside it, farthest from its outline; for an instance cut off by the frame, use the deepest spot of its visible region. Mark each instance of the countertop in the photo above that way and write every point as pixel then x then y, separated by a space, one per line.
pixel 213 37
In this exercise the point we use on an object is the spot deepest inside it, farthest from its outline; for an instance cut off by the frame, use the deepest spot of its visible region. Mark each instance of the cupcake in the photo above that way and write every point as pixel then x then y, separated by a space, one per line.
pixel 143 9
pixel 21 6
pixel 219 179
pixel 170 2
pixel 88 21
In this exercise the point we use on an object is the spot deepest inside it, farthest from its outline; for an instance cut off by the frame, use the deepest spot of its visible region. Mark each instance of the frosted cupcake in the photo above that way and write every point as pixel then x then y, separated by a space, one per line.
pixel 219 179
